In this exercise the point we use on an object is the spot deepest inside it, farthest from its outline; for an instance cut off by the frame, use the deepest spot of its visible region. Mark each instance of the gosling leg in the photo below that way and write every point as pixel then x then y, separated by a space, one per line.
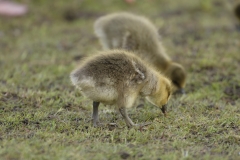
pixel 95 113
pixel 128 121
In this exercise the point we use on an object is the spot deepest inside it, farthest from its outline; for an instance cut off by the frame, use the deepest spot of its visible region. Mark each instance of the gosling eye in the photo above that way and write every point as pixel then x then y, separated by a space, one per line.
pixel 176 84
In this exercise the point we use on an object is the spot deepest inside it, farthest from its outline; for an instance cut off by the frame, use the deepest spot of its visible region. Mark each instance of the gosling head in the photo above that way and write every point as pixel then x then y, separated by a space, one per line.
pixel 178 75
pixel 162 94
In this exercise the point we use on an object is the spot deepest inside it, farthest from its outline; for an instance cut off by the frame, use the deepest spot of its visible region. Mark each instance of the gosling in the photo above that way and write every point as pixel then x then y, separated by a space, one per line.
pixel 137 33
pixel 118 77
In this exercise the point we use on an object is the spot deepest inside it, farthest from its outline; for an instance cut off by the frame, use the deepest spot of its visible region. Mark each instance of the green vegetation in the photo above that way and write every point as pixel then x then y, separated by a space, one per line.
pixel 42 116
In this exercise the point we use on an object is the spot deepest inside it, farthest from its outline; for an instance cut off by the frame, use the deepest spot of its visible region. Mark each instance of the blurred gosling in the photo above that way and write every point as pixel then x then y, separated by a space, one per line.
pixel 137 33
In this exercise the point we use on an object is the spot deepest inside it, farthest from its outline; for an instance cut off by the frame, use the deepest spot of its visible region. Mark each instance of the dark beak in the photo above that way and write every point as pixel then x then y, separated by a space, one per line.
pixel 164 109
pixel 180 91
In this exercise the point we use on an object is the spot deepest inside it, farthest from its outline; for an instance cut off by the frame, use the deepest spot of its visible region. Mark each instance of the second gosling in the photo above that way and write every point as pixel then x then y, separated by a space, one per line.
pixel 137 33
pixel 117 77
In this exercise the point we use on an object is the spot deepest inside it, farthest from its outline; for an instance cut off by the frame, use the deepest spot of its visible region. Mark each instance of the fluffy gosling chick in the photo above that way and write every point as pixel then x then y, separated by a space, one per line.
pixel 117 77
pixel 132 32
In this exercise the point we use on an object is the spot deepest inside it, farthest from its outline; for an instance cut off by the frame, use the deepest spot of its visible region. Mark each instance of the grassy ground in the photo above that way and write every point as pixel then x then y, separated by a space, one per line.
pixel 42 116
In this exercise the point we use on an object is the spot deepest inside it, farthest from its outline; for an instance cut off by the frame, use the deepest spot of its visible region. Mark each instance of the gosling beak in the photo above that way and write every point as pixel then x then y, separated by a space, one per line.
pixel 164 109
pixel 180 91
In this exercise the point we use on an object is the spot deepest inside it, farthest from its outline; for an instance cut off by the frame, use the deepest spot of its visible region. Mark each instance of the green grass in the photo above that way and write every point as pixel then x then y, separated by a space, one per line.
pixel 42 116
